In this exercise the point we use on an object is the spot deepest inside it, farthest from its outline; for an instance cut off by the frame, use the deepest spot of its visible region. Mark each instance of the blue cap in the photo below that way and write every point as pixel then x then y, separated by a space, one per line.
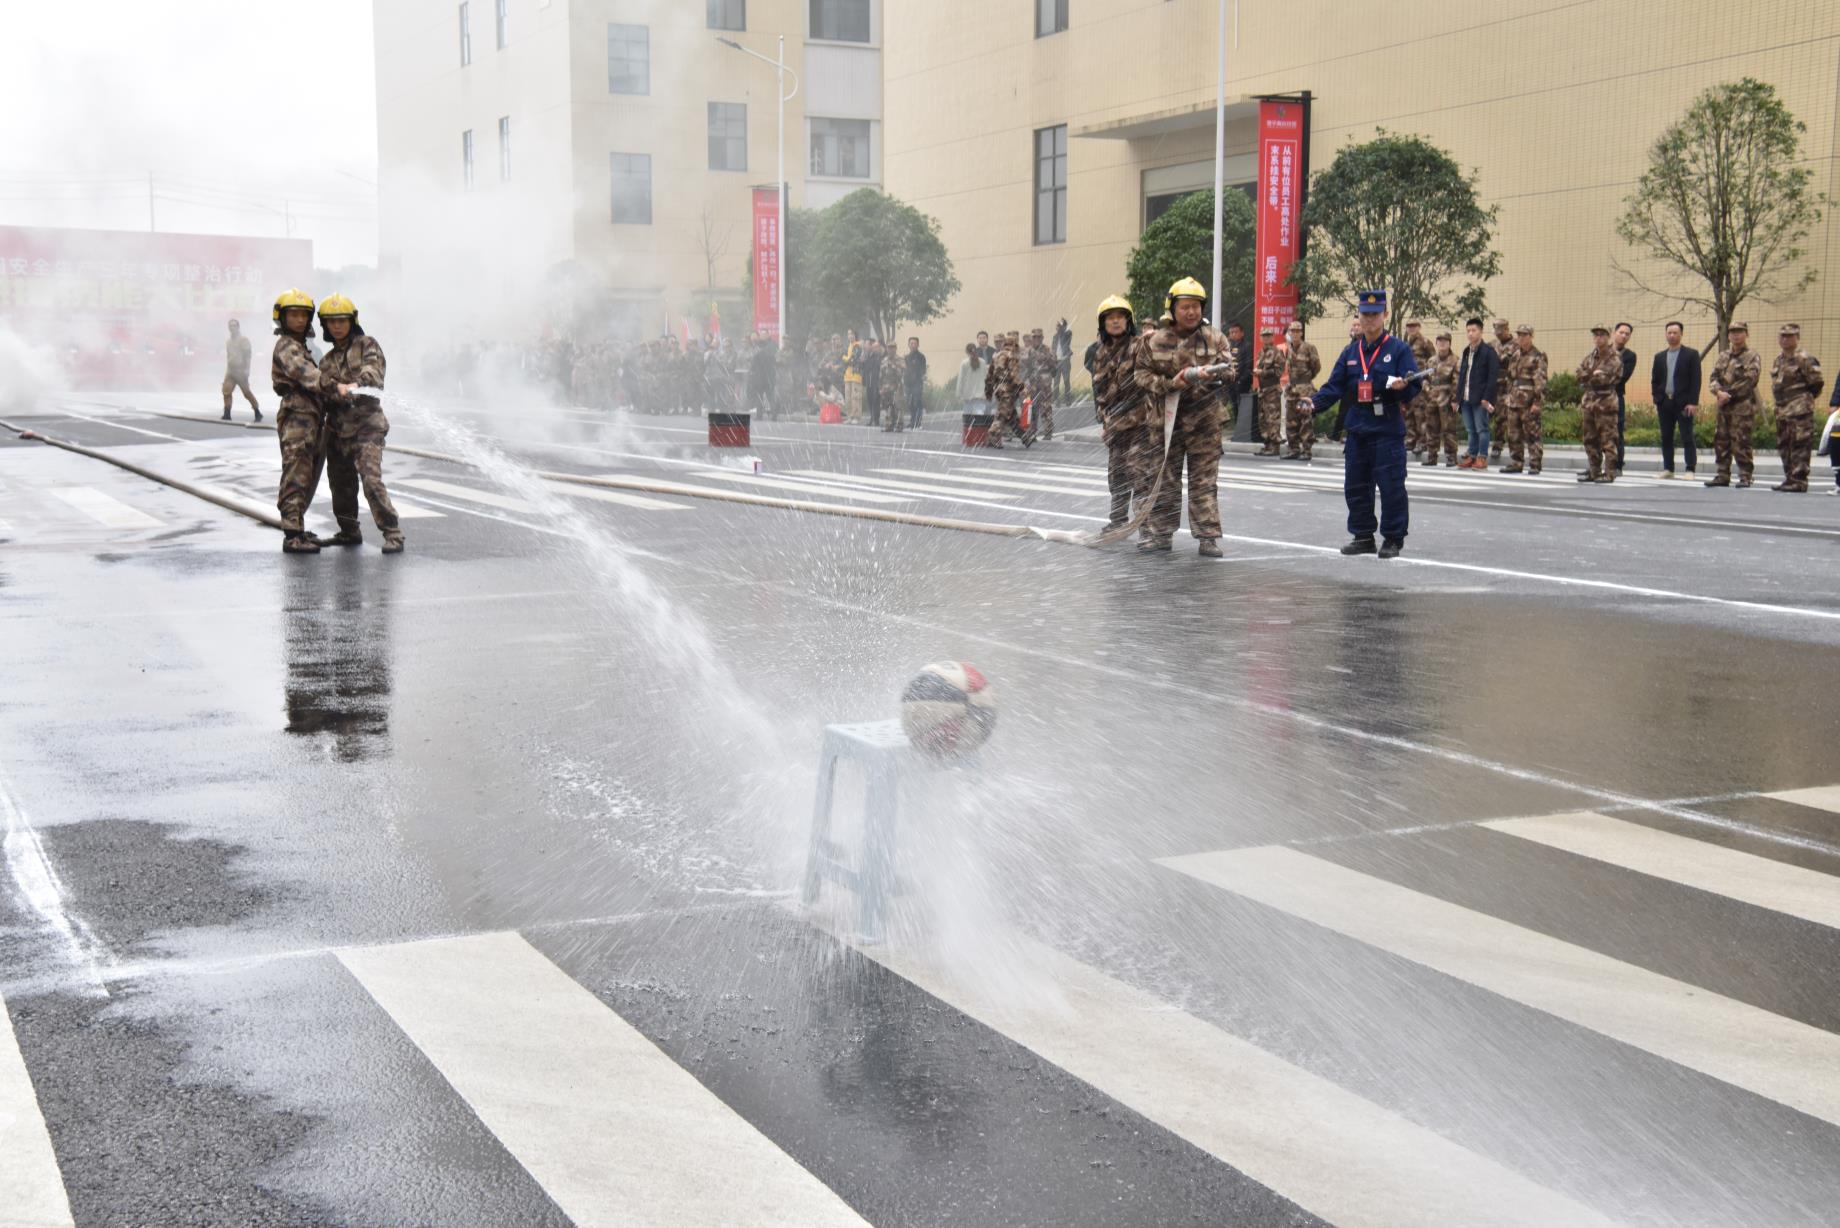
pixel 1372 302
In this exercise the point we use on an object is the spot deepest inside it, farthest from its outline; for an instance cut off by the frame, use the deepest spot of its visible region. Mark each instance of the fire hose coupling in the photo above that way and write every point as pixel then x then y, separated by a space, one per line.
pixel 1196 376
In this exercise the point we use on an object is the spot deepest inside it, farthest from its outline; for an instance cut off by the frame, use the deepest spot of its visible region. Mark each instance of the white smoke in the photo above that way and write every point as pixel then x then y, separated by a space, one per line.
pixel 27 371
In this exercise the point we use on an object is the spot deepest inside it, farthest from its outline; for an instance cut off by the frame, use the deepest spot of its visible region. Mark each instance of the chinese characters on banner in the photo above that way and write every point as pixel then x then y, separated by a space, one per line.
pixel 1282 125
pixel 766 261
pixel 132 309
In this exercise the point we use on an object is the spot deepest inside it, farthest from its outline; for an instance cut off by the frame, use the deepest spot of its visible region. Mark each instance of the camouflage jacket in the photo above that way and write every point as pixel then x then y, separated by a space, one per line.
pixel 1505 352
pixel 295 375
pixel 1003 381
pixel 892 396
pixel 1737 374
pixel 1795 380
pixel 1423 349
pixel 1269 367
pixel 1164 354
pixel 1526 377
pixel 1038 368
pixel 1120 401
pixel 358 361
pixel 1305 365
pixel 237 355
pixel 1441 383
pixel 1598 375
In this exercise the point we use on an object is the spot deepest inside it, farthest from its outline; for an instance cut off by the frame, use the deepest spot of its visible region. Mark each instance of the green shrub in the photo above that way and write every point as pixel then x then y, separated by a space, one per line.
pixel 1562 388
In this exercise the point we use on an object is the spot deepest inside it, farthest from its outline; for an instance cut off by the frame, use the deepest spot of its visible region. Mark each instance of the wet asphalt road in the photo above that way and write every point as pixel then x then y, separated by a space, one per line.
pixel 1253 912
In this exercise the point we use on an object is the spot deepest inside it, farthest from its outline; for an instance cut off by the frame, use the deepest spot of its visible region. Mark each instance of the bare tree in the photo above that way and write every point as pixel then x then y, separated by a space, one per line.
pixel 712 240
pixel 1724 205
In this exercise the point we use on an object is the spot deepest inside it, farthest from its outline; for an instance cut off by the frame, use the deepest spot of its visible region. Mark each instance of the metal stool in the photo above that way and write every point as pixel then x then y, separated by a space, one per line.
pixel 883 750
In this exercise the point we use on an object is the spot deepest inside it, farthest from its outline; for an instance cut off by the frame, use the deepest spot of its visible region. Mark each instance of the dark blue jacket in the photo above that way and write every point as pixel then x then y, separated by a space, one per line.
pixel 1394 357
pixel 1487 373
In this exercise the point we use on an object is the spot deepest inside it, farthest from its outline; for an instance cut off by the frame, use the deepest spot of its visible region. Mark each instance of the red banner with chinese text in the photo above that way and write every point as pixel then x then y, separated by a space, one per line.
pixel 766 261
pixel 1282 126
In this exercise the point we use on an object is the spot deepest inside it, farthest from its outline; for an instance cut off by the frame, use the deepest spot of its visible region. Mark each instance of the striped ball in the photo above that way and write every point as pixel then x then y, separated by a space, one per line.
pixel 948 710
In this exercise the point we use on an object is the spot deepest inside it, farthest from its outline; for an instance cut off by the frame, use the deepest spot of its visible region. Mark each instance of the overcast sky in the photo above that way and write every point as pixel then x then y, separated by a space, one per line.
pixel 237 107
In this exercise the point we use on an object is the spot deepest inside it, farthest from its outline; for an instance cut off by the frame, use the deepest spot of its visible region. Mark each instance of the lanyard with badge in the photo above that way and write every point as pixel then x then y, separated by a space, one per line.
pixel 1364 391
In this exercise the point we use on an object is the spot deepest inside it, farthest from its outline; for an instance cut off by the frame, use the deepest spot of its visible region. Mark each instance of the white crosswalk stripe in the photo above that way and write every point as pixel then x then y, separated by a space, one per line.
pixel 31 1187
pixel 806 488
pixel 1825 797
pixel 1785 1060
pixel 1330 1151
pixel 612 1129
pixel 509 503
pixel 1759 881
pixel 1000 483
pixel 920 488
pixel 104 509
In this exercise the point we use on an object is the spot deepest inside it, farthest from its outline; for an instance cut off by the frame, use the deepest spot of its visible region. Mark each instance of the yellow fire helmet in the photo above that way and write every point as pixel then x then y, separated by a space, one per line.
pixel 1116 303
pixel 1188 287
pixel 337 305
pixel 292 298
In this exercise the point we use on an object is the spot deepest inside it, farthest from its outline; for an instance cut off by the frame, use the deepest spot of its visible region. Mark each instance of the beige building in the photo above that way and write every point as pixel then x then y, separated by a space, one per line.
pixel 515 136
pixel 1042 135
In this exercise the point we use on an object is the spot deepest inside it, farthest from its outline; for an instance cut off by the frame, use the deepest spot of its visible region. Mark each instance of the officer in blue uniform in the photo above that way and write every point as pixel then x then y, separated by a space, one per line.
pixel 1373 379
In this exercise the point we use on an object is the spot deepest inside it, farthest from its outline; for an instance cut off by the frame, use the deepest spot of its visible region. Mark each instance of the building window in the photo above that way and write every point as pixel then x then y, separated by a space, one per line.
pixel 503 17
pixel 1051 184
pixel 1050 17
pixel 843 21
pixel 728 14
pixel 629 60
pixel 840 148
pixel 466 34
pixel 504 147
pixel 727 136
pixel 632 189
pixel 466 158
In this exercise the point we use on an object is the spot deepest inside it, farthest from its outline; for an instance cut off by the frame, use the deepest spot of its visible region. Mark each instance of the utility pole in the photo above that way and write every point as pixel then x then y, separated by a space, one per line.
pixel 782 72
pixel 1220 158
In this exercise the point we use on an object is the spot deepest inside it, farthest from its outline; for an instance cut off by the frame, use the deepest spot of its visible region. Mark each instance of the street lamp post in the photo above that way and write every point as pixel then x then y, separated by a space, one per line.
pixel 781 72
pixel 1220 157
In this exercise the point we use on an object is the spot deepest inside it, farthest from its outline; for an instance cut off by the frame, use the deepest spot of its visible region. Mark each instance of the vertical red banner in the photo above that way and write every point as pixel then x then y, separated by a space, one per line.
pixel 1283 125
pixel 766 260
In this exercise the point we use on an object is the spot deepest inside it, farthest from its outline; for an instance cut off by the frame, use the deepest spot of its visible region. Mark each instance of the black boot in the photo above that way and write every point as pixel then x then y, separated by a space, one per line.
pixel 1360 545
pixel 1390 548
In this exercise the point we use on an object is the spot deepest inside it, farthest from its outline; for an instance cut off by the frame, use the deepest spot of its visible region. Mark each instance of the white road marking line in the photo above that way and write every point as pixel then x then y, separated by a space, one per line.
pixel 643 502
pixel 31 1187
pixel 612 1129
pixel 105 509
pixel 789 484
pixel 1330 1151
pixel 1824 797
pixel 473 494
pixel 5 527
pixel 1001 483
pixel 1775 885
pixel 919 488
pixel 36 885
pixel 415 511
pixel 1091 476
pixel 1743 1045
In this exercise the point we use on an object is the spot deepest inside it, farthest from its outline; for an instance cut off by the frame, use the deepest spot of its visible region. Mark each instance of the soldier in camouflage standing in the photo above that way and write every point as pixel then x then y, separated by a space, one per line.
pixel 1304 364
pixel 1734 385
pixel 237 355
pixel 1435 410
pixel 1003 389
pixel 891 395
pixel 299 421
pixel 1505 350
pixel 1422 350
pixel 1270 370
pixel 355 426
pixel 1038 368
pixel 1120 405
pixel 1795 381
pixel 1598 377
pixel 1526 400
pixel 1164 362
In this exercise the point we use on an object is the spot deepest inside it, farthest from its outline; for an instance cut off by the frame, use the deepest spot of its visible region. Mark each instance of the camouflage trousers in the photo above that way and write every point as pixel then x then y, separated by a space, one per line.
pixel 1415 424
pixel 1195 448
pixel 1795 441
pixel 1004 422
pixel 1526 437
pixel 1597 429
pixel 1732 437
pixel 1271 417
pixel 1302 420
pixel 1498 426
pixel 234 381
pixel 1439 423
pixel 1129 452
pixel 355 462
pixel 302 434
pixel 1041 414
